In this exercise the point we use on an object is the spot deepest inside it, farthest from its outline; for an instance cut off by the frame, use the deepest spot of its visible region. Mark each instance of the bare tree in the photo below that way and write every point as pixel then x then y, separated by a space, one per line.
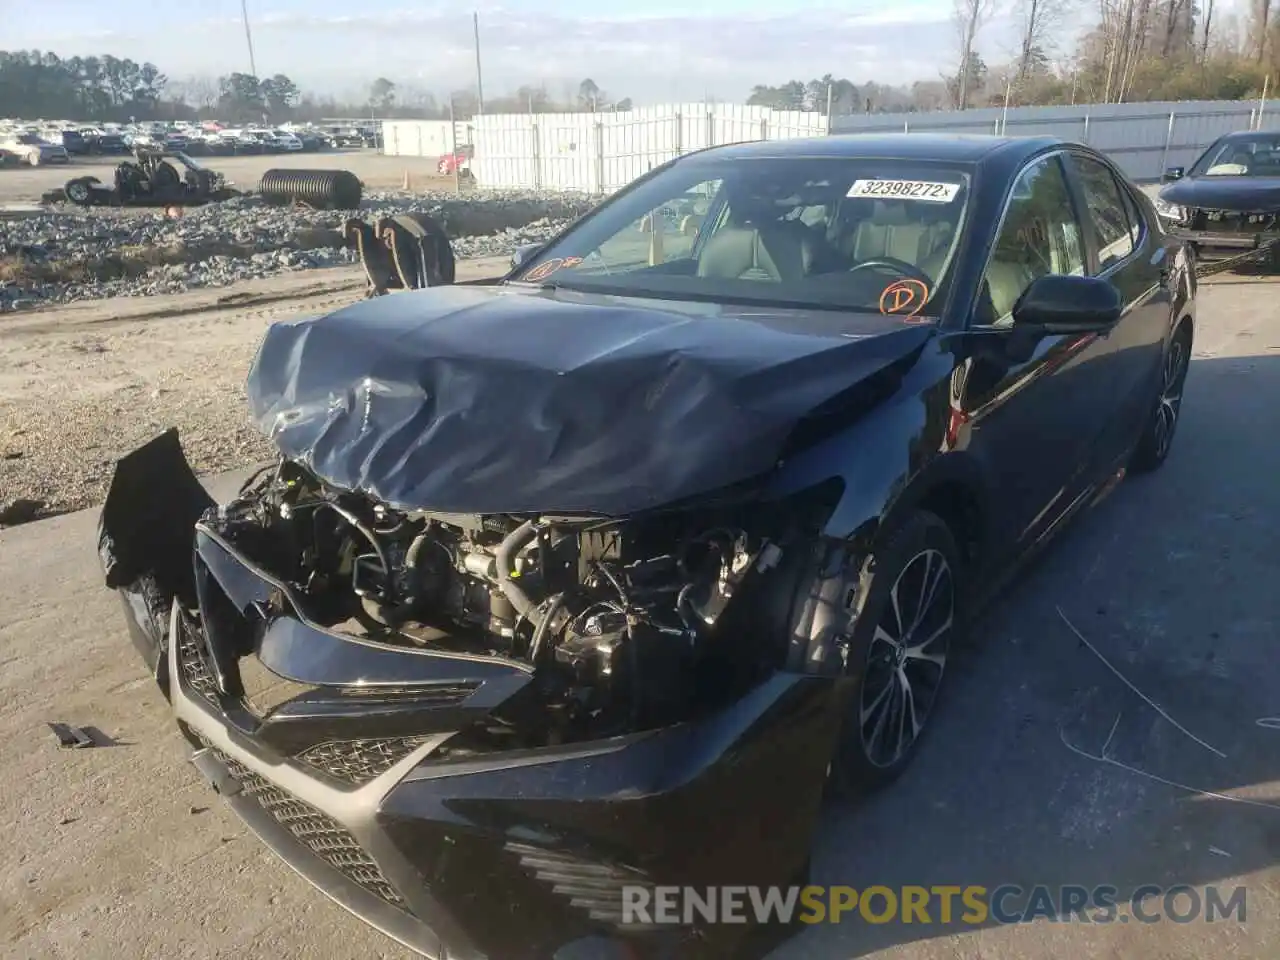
pixel 1177 26
pixel 970 15
pixel 1260 26
pixel 1208 25
pixel 1038 21
pixel 1125 27
pixel 198 92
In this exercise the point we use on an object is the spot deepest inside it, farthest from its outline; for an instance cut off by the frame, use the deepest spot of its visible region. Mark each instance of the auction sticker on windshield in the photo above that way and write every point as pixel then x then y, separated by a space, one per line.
pixel 905 190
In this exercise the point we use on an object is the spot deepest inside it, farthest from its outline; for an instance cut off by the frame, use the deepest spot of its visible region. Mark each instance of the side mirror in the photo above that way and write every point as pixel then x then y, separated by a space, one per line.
pixel 1056 304
pixel 1173 173
pixel 523 253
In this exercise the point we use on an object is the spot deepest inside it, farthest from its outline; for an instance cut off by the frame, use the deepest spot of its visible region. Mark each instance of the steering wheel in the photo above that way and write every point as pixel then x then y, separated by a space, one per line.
pixel 900 267
pixel 596 257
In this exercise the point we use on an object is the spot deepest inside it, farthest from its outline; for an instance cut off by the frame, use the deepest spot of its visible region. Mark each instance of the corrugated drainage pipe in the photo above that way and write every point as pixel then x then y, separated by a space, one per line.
pixel 324 189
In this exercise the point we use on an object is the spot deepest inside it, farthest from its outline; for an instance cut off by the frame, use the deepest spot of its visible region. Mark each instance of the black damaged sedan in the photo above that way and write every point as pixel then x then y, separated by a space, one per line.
pixel 601 575
pixel 1228 202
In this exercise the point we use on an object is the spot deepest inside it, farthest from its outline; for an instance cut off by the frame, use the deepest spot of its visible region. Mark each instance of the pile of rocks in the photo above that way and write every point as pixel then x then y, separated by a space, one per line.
pixel 77 255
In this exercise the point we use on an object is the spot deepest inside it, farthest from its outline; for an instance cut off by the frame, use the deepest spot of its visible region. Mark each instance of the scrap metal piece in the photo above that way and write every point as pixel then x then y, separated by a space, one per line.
pixel 374 259
pixel 72 737
pixel 420 250
pixel 407 252
pixel 1256 255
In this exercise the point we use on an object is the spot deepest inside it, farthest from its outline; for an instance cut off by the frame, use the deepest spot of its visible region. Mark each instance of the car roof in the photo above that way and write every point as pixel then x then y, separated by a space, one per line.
pixel 1247 135
pixel 955 148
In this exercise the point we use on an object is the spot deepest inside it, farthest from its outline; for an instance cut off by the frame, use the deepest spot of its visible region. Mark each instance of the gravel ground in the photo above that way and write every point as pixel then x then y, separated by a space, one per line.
pixel 245 239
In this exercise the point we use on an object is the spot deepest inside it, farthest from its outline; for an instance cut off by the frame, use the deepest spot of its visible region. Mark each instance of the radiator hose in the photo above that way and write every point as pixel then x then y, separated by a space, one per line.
pixel 504 559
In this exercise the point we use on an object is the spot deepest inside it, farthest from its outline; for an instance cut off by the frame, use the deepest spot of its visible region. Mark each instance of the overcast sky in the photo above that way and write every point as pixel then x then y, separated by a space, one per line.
pixel 652 51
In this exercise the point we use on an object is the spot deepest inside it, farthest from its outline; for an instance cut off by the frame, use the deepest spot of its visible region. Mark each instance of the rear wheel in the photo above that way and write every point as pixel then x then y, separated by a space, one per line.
pixel 80 191
pixel 891 619
pixel 1157 439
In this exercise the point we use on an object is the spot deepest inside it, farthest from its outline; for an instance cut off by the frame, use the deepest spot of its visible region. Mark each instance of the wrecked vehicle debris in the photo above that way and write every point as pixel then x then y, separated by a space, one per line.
pixel 1227 204
pixel 150 179
pixel 75 738
pixel 601 575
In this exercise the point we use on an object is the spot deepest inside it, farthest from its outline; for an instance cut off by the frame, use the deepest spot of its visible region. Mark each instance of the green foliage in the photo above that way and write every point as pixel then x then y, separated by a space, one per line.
pixel 240 97
pixel 37 85
pixel 382 96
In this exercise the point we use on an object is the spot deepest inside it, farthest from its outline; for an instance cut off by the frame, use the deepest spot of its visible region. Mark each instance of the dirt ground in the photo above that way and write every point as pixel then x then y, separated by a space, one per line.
pixel 28 184
pixel 1044 765
pixel 82 385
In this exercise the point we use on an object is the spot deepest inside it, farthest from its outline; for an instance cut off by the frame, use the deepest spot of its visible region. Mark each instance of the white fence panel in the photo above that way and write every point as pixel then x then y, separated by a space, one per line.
pixel 567 152
pixel 602 152
pixel 1143 138
pixel 506 152
pixel 416 138
pixel 630 148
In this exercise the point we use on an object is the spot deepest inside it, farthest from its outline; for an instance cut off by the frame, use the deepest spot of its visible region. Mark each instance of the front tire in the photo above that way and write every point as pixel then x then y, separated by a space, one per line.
pixel 897 615
pixel 1157 437
pixel 80 191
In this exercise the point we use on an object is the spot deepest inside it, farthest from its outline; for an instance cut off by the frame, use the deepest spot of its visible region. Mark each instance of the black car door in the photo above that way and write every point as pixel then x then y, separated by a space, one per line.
pixel 1130 252
pixel 1033 416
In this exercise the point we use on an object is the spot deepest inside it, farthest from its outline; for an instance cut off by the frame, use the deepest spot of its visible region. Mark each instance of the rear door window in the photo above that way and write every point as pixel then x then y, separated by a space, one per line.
pixel 1113 229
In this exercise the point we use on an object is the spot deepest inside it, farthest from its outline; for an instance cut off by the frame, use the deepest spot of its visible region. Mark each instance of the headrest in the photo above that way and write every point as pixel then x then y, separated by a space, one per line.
pixel 891 213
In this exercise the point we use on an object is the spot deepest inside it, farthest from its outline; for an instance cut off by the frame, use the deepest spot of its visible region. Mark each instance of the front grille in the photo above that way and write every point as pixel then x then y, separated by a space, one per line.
pixel 318 832
pixel 194 670
pixel 588 885
pixel 359 761
pixel 1233 221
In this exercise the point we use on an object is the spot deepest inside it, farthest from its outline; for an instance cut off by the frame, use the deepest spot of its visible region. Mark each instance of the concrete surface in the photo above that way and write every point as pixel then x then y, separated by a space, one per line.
pixel 28 184
pixel 123 852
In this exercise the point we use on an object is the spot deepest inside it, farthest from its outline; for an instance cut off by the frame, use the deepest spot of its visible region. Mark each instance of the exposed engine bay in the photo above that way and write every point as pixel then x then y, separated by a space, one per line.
pixel 627 624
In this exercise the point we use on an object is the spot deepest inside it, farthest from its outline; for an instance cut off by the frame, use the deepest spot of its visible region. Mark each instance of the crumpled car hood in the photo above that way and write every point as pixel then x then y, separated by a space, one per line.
pixel 1244 194
pixel 503 400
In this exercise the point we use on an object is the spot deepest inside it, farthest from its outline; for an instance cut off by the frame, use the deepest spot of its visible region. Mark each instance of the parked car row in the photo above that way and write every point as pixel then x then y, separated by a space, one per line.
pixel 33 150
pixel 42 143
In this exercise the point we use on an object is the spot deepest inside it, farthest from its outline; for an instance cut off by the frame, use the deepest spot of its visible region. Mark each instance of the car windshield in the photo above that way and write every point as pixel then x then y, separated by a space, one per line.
pixel 806 232
pixel 30 140
pixel 1252 156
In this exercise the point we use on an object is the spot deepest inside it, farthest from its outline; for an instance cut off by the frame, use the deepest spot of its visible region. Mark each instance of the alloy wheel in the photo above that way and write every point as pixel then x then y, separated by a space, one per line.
pixel 1170 402
pixel 906 658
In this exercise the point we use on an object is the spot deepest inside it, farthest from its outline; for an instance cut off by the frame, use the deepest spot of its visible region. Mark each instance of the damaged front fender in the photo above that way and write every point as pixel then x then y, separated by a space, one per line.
pixel 145 537
pixel 435 782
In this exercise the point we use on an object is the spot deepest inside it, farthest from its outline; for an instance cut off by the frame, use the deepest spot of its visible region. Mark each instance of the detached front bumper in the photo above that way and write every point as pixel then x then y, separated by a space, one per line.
pixel 349 777
pixel 1221 244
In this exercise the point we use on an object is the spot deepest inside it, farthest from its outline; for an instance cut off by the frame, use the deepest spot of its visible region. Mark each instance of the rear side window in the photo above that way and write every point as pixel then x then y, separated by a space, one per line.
pixel 1112 227
pixel 1136 219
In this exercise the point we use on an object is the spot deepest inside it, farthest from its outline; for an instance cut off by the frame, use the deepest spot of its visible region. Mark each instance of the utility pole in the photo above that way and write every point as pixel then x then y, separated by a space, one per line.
pixel 248 37
pixel 475 23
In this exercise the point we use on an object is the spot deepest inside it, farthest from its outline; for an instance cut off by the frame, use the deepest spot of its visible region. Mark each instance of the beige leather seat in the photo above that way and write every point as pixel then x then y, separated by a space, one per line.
pixel 912 234
pixel 1004 284
pixel 777 252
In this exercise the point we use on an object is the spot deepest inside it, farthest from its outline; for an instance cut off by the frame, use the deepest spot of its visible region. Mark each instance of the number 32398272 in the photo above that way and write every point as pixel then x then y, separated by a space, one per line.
pixel 905 190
